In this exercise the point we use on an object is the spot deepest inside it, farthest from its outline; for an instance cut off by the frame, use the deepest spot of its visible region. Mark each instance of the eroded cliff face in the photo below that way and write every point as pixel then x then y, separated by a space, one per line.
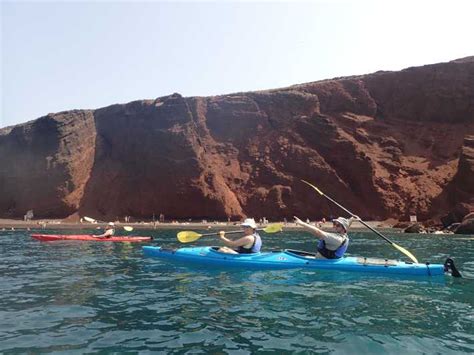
pixel 45 164
pixel 388 144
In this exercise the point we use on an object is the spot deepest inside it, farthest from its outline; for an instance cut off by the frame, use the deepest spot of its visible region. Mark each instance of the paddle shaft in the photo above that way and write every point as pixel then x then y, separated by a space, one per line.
pixel 231 232
pixel 401 249
pixel 92 220
pixel 361 221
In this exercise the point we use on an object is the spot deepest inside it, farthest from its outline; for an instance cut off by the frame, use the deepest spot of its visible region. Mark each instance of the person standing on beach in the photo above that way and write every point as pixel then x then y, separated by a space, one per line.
pixel 248 244
pixel 109 231
pixel 330 245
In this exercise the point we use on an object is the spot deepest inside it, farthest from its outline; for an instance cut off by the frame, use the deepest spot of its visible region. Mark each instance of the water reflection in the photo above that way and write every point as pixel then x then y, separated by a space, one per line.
pixel 105 297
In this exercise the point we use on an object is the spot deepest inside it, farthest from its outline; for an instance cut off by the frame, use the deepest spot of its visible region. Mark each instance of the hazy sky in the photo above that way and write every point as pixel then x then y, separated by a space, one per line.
pixel 64 55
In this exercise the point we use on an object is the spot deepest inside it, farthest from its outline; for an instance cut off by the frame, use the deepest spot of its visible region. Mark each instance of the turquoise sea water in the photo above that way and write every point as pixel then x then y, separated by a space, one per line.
pixel 79 297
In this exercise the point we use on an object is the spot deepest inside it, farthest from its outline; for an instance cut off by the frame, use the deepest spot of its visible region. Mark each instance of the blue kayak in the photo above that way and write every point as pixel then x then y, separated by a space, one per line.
pixel 291 259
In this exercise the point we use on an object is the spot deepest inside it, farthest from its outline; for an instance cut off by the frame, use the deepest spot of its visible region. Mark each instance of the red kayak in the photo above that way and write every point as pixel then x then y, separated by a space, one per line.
pixel 88 237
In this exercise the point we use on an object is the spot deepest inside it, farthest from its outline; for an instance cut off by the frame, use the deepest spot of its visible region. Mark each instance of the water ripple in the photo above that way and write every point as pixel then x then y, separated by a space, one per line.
pixel 101 297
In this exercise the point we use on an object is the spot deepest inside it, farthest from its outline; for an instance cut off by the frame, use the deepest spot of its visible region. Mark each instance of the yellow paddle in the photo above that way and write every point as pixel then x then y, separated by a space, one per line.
pixel 92 220
pixel 190 236
pixel 403 250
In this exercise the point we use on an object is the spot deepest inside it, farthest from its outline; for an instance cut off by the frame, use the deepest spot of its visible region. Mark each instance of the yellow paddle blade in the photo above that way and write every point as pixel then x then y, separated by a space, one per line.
pixel 128 228
pixel 314 187
pixel 188 236
pixel 406 252
pixel 90 220
pixel 273 228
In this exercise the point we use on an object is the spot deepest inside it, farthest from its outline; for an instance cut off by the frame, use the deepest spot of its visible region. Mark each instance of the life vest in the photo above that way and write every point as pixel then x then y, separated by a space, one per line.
pixel 333 254
pixel 255 248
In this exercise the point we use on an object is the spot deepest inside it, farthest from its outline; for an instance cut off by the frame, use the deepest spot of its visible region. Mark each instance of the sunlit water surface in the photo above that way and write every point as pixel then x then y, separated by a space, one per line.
pixel 76 297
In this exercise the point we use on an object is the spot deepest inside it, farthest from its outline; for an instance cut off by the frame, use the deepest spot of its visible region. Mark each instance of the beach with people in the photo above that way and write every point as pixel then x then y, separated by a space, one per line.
pixel 58 224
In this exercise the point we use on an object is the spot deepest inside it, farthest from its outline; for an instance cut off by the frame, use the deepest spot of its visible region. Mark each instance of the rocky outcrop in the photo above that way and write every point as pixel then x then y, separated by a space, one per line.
pixel 466 224
pixel 464 179
pixel 414 228
pixel 45 164
pixel 466 227
pixel 388 144
pixel 460 192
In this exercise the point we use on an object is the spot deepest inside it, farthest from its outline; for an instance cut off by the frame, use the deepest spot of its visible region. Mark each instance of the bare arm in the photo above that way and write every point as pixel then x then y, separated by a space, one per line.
pixel 354 218
pixel 107 233
pixel 318 233
pixel 235 243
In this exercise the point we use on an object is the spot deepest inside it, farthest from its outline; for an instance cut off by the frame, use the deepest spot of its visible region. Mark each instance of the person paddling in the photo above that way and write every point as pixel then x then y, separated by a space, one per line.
pixel 330 245
pixel 248 244
pixel 109 231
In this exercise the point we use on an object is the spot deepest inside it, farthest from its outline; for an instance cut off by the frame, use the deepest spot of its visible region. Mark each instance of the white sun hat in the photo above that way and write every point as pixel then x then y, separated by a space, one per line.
pixel 249 222
pixel 344 222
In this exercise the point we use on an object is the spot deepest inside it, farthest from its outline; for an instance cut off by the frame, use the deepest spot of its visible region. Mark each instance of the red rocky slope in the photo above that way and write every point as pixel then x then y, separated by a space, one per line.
pixel 387 144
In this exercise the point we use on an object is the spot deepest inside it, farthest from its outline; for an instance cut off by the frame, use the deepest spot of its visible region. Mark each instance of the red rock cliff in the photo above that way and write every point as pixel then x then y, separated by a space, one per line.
pixel 387 144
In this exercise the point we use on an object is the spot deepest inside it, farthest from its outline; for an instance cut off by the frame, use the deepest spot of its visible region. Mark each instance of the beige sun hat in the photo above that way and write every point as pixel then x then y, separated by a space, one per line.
pixel 249 222
pixel 344 222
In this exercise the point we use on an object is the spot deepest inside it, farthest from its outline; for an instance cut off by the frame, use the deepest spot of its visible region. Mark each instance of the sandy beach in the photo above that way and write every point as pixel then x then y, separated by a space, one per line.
pixel 55 224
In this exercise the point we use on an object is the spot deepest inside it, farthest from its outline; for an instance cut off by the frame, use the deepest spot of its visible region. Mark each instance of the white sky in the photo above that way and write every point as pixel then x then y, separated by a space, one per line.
pixel 64 55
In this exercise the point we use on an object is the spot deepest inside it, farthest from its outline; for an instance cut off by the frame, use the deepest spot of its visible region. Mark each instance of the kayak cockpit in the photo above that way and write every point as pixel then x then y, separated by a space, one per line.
pixel 359 260
pixel 302 253
pixel 216 250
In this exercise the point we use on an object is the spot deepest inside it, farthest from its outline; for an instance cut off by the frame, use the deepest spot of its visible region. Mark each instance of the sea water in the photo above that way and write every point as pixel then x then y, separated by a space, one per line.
pixel 86 297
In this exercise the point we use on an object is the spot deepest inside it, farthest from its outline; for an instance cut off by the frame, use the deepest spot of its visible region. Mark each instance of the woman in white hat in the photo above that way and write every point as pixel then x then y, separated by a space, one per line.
pixel 109 231
pixel 330 245
pixel 248 244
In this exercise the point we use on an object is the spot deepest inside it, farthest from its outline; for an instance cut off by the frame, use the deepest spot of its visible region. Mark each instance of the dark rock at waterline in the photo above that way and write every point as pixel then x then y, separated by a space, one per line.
pixel 450 219
pixel 452 227
pixel 401 225
pixel 466 227
pixel 469 215
pixel 456 215
pixel 414 228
